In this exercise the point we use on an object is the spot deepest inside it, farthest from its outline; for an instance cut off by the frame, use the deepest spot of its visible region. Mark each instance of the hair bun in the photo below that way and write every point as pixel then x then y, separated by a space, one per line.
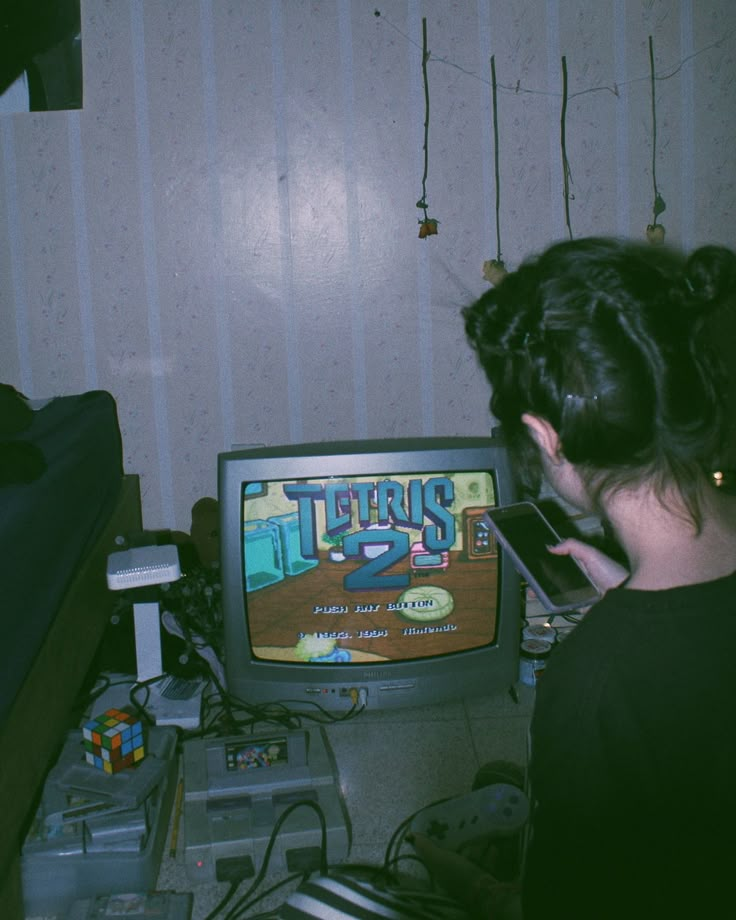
pixel 710 275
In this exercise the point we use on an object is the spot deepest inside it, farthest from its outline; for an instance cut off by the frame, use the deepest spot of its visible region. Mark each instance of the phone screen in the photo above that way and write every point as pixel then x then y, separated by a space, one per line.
pixel 525 533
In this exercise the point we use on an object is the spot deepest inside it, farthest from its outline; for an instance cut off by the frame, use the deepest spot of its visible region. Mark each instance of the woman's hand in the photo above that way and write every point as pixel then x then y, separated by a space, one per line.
pixel 604 572
pixel 480 892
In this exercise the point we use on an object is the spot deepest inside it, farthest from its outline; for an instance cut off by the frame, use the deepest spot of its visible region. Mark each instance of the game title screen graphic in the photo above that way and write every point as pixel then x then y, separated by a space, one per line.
pixel 369 569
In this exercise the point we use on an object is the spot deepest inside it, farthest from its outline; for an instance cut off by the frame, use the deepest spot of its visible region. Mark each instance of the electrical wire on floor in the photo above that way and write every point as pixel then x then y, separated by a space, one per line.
pixel 274 912
pixel 382 876
pixel 135 702
pixel 224 714
pixel 225 900
pixel 238 909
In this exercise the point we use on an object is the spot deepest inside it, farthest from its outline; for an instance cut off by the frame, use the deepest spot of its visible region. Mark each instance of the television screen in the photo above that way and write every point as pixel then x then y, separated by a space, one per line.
pixel 380 568
pixel 364 569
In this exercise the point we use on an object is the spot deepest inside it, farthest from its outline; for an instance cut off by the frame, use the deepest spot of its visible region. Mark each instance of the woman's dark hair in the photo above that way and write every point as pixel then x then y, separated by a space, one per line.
pixel 602 338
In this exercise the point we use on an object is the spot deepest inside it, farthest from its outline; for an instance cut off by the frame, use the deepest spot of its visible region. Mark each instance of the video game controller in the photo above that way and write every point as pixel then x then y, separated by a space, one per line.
pixel 493 811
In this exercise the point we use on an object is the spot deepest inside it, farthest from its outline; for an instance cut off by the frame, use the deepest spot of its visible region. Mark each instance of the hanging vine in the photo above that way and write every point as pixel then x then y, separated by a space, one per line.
pixel 427 224
pixel 655 230
pixel 566 174
pixel 494 270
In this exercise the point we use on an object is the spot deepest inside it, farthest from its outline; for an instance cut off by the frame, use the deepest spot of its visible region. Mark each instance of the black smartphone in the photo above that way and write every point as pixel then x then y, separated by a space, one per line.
pixel 525 533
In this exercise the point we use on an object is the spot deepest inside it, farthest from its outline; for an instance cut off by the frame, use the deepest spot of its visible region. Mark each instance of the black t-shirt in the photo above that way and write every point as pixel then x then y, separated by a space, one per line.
pixel 633 764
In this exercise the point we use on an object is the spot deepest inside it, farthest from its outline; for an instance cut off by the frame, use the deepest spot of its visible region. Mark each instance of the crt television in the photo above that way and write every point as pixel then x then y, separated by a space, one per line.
pixel 361 573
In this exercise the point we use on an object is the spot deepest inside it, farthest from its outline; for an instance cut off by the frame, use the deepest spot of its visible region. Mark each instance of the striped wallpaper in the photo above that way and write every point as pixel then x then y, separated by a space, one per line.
pixel 225 236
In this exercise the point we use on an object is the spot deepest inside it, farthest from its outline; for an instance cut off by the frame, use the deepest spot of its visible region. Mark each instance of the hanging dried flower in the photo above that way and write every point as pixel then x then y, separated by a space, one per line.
pixel 494 271
pixel 566 172
pixel 427 227
pixel 655 230
pixel 655 234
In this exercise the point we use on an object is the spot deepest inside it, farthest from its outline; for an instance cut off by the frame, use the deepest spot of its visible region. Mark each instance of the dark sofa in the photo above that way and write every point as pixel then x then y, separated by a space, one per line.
pixel 64 502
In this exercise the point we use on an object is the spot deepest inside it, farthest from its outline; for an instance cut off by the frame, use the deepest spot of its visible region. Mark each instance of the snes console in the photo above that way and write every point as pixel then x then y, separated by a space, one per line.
pixel 237 789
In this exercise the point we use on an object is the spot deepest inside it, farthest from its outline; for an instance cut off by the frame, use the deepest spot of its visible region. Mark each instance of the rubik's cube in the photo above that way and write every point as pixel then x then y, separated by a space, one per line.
pixel 113 741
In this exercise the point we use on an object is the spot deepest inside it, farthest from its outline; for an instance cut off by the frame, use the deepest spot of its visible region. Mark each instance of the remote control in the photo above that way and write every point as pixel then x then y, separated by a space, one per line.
pixel 492 811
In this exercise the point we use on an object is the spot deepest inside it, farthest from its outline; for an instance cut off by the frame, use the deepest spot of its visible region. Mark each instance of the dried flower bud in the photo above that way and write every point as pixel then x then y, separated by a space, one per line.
pixel 427 227
pixel 655 234
pixel 494 270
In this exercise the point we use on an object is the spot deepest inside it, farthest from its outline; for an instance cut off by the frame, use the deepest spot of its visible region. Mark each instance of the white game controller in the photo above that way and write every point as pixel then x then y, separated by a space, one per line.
pixel 492 811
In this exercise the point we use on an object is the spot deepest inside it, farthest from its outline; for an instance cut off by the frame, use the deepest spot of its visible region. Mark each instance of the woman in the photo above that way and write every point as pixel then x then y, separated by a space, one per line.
pixel 603 382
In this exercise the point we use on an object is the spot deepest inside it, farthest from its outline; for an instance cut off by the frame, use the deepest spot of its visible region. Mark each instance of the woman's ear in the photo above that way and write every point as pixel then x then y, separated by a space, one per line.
pixel 544 435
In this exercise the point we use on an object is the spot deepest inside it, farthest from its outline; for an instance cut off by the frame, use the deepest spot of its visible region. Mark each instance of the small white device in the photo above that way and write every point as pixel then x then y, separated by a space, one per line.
pixel 176 701
pixel 143 567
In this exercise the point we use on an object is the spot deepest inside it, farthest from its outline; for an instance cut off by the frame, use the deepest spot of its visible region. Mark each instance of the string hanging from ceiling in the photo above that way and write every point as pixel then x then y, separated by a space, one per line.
pixel 655 230
pixel 494 270
pixel 427 224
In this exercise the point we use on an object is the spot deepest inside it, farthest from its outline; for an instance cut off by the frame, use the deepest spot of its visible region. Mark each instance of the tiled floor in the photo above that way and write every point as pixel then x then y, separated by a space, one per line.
pixel 391 764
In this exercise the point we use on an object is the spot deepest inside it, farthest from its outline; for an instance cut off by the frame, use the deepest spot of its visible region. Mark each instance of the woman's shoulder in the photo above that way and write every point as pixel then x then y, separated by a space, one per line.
pixel 627 618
